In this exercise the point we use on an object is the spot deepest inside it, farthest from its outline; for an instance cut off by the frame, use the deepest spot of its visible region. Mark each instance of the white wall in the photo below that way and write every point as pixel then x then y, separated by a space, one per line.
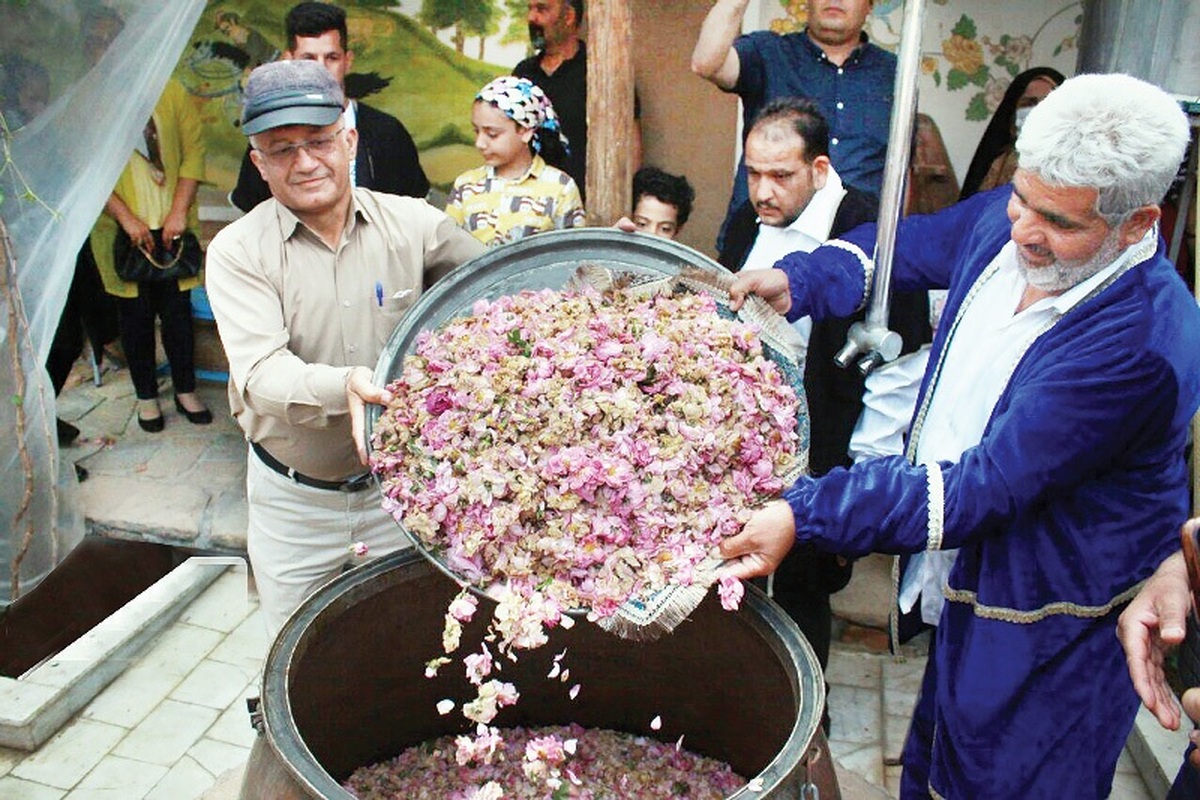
pixel 990 39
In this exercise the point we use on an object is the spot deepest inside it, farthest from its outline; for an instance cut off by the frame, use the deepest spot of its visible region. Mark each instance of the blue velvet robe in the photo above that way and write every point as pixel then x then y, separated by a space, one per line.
pixel 1072 497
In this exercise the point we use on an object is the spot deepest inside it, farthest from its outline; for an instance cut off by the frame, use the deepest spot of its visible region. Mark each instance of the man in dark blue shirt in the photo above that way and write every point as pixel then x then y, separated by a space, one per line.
pixel 831 62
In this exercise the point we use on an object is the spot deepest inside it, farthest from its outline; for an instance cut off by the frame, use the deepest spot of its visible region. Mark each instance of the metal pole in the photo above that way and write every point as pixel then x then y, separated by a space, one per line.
pixel 872 339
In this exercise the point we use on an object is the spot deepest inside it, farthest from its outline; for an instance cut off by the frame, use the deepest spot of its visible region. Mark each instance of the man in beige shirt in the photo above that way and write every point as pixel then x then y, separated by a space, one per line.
pixel 306 289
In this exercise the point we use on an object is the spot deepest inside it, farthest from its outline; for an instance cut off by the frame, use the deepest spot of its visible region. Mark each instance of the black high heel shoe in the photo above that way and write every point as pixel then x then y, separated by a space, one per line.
pixel 201 417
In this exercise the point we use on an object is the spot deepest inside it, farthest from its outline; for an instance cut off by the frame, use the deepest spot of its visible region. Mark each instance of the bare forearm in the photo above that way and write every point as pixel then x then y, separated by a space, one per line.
pixel 185 195
pixel 116 208
pixel 713 57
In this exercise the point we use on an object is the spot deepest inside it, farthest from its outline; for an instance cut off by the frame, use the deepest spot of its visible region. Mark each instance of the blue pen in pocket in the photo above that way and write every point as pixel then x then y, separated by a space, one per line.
pixel 379 294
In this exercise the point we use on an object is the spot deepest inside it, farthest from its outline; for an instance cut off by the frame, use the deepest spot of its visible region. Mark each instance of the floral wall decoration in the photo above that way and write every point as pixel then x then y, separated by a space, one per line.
pixel 967 56
pixel 971 50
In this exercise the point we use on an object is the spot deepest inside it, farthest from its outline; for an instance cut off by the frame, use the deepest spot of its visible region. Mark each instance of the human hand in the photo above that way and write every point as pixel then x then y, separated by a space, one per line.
pixel 1191 704
pixel 762 544
pixel 173 227
pixel 625 224
pixel 1152 624
pixel 769 284
pixel 137 231
pixel 360 391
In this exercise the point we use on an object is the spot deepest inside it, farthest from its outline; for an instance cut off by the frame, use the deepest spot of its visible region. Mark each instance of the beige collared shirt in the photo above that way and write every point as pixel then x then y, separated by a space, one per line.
pixel 295 315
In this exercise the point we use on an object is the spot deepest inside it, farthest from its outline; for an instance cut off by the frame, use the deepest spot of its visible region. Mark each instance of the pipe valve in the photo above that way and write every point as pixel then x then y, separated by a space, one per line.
pixel 876 344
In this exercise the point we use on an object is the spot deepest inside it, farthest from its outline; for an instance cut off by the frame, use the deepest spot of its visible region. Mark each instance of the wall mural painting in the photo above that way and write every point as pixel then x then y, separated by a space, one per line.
pixel 968 58
pixel 420 60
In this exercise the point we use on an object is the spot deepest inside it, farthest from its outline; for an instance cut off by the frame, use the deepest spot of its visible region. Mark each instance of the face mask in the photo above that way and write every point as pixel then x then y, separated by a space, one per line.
pixel 1019 119
pixel 537 37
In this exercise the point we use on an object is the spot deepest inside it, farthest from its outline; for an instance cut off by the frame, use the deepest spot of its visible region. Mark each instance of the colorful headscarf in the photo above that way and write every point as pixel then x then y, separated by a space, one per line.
pixel 526 104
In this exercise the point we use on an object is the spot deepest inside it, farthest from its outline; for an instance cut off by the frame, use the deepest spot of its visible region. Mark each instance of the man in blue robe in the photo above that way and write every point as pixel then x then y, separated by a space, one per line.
pixel 1047 444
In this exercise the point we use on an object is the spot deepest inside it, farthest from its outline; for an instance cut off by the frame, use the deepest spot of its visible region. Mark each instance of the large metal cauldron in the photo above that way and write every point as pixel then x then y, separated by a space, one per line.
pixel 343 685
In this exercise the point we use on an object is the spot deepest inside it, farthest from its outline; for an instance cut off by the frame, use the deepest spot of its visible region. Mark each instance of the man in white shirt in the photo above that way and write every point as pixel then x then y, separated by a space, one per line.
pixel 798 202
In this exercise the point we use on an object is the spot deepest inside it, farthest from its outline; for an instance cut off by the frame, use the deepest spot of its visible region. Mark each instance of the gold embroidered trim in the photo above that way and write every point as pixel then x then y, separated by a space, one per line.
pixel 867 264
pixel 894 608
pixel 937 506
pixel 1061 608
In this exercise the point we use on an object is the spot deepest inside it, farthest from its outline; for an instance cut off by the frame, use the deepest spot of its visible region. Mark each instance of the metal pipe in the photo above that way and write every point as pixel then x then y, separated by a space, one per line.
pixel 872 339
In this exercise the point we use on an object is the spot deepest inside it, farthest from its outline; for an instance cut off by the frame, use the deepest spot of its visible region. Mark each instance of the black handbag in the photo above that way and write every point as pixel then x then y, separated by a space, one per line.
pixel 160 263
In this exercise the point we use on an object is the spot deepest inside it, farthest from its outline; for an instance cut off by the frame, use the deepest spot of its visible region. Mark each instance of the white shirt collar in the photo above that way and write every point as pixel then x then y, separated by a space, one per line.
pixel 816 219
pixel 806 233
pixel 1072 297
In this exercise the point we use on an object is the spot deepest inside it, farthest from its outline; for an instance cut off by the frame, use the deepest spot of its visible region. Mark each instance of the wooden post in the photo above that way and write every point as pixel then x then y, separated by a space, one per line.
pixel 609 110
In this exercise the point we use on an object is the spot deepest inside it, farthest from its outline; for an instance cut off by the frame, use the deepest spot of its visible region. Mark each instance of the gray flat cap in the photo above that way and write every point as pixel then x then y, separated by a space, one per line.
pixel 290 93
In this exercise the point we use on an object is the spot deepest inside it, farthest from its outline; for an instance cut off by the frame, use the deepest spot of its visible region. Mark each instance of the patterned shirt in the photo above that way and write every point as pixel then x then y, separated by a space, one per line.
pixel 498 210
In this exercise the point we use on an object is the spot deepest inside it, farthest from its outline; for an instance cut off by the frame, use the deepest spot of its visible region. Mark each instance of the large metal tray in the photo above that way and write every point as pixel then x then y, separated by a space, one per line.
pixel 545 261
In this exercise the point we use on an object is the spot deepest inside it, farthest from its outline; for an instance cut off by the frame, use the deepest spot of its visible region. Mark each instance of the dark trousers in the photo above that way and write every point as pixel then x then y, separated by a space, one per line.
pixel 1187 782
pixel 89 312
pixel 174 308
pixel 918 745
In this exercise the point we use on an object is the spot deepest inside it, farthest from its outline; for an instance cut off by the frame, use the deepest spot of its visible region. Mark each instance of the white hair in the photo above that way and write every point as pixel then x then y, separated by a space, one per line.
pixel 1114 133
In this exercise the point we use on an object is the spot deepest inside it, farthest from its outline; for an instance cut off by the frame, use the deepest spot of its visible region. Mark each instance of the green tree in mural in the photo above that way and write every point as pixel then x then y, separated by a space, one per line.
pixel 465 16
pixel 516 30
pixel 483 27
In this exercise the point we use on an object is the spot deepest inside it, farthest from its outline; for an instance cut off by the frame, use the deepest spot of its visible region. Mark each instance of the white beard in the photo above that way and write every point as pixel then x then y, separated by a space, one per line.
pixel 1063 275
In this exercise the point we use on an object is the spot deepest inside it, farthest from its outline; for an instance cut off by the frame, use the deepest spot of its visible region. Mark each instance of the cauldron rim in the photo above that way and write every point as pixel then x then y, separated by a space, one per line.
pixel 282 736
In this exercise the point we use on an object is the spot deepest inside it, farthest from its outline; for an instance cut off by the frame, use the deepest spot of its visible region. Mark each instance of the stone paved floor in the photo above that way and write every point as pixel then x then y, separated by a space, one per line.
pixel 174 724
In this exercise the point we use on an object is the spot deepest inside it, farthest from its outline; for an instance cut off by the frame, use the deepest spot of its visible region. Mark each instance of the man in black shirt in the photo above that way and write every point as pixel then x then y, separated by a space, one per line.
pixel 560 69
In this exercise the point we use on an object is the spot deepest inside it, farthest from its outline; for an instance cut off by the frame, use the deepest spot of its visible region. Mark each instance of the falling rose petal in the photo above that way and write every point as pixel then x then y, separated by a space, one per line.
pixel 679 743
pixel 567 623
pixel 570 745
pixel 574 692
pixel 432 666
pixel 444 707
pixel 462 607
pixel 566 675
pixel 656 723
pixel 555 669
pixel 755 785
pixel 730 590
pixel 574 778
pixel 360 549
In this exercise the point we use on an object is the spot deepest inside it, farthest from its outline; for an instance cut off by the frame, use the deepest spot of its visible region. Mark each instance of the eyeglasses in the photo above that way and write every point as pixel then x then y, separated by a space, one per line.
pixel 320 147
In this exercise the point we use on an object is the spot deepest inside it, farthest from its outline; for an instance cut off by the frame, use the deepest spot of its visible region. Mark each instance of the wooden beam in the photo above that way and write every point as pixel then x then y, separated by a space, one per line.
pixel 609 110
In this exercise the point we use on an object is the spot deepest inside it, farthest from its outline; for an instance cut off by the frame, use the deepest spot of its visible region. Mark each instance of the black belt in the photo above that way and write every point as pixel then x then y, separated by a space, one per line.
pixel 355 484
